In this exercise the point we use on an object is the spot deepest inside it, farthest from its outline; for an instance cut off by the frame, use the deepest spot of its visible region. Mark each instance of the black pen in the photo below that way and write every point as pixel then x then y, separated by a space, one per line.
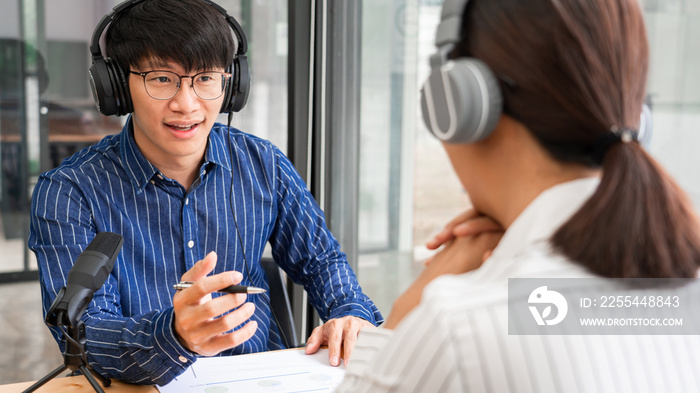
pixel 228 289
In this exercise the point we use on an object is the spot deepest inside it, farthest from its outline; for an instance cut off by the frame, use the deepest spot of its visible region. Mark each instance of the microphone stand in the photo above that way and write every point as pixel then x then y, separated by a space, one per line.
pixel 88 274
pixel 74 358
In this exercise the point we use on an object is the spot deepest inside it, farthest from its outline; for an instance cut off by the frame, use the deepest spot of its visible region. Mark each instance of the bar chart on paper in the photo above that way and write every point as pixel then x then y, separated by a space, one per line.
pixel 277 371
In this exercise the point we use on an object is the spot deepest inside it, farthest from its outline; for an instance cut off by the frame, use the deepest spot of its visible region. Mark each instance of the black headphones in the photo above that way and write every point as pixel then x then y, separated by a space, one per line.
pixel 110 87
pixel 461 99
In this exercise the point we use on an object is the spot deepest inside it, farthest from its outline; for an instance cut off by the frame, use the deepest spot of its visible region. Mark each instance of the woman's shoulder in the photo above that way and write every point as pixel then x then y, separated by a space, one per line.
pixel 487 286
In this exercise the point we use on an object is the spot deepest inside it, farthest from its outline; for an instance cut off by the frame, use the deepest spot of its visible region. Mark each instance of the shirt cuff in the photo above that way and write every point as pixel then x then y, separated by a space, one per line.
pixel 175 358
pixel 368 312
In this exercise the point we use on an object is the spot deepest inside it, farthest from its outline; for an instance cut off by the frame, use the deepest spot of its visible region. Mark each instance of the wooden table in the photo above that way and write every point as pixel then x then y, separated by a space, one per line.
pixel 77 384
pixel 80 384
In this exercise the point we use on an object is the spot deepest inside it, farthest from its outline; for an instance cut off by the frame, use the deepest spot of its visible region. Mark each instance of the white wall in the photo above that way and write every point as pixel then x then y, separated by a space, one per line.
pixel 9 28
pixel 74 20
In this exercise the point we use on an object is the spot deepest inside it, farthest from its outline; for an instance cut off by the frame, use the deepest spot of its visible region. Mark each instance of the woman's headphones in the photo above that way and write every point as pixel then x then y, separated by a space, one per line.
pixel 110 87
pixel 461 100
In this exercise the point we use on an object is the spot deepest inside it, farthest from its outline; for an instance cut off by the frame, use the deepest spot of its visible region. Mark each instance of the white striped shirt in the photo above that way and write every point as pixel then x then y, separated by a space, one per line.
pixel 166 229
pixel 457 339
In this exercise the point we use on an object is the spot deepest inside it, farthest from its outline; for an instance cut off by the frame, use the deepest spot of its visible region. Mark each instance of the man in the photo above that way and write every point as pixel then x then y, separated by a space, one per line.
pixel 194 201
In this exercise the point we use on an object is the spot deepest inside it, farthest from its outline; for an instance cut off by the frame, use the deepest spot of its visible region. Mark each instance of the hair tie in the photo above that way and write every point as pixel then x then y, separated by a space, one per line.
pixel 610 138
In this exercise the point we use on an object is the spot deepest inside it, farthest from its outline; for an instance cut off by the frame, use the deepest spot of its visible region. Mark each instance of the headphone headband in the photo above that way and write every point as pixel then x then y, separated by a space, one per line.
pixel 235 26
pixel 107 19
pixel 447 34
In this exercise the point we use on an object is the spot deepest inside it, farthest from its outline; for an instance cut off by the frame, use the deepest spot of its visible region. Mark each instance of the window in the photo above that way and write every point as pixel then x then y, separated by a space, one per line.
pixel 408 189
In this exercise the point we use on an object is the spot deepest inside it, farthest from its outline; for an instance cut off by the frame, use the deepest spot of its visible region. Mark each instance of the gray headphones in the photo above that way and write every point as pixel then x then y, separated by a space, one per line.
pixel 461 100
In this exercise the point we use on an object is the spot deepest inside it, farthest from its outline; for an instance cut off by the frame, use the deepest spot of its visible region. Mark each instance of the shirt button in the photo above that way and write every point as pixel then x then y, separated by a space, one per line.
pixel 204 172
pixel 183 359
pixel 190 244
pixel 152 182
pixel 187 201
pixel 160 176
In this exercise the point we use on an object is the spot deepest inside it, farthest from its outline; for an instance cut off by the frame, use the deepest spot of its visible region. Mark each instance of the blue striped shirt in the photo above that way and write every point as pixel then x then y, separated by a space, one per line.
pixel 166 228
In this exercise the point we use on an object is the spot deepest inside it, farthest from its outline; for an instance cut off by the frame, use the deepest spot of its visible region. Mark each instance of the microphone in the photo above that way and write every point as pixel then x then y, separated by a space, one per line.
pixel 88 274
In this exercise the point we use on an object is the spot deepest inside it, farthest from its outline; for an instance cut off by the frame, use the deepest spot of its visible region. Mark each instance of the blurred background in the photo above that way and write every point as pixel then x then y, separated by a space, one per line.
pixel 346 113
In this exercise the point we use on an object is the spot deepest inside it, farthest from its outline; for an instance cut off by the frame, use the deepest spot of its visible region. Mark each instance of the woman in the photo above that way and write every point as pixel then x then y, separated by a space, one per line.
pixel 561 171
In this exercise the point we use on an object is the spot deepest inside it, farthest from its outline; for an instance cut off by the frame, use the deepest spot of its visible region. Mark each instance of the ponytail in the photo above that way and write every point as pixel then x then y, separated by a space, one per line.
pixel 638 223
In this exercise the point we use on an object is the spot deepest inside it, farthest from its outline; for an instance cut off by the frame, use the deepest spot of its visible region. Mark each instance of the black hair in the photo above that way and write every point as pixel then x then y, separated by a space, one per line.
pixel 190 33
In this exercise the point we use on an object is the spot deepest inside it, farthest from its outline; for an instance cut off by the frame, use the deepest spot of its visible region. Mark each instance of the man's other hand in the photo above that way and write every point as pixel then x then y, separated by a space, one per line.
pixel 339 334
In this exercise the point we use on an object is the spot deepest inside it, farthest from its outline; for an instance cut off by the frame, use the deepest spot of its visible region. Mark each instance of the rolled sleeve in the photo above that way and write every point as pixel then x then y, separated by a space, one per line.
pixel 138 349
pixel 305 248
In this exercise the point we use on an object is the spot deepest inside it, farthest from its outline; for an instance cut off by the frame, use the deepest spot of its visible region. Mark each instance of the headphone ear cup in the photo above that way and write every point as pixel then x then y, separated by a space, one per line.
pixel 121 86
pixel 237 92
pixel 461 101
pixel 227 103
pixel 102 89
pixel 109 88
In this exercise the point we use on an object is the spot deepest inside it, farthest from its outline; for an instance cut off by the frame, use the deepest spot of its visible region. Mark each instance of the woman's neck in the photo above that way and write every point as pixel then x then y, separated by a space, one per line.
pixel 523 188
pixel 506 172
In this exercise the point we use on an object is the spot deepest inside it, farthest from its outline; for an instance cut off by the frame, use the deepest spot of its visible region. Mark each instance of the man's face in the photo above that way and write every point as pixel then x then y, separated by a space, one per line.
pixel 173 131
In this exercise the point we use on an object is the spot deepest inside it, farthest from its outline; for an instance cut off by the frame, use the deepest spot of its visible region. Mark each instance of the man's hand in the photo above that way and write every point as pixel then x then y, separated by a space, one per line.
pixel 199 324
pixel 339 333
pixel 460 255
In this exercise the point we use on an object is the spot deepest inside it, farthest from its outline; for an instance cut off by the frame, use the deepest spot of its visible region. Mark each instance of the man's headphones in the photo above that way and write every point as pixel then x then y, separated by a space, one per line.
pixel 461 100
pixel 110 87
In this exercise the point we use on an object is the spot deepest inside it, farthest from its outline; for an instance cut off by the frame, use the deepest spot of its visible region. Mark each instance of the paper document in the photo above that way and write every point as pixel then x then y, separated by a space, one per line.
pixel 275 371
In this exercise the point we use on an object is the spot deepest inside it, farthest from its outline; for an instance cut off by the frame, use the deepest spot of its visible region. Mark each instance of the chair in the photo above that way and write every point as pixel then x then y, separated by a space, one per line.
pixel 279 302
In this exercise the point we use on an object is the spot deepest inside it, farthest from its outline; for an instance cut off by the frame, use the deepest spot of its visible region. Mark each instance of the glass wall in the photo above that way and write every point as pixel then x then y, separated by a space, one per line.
pixel 46 108
pixel 265 25
pixel 674 88
pixel 12 174
pixel 408 189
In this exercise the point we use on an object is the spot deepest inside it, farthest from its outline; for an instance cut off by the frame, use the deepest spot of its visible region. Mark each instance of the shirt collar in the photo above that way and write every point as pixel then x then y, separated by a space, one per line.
pixel 141 171
pixel 545 215
pixel 217 147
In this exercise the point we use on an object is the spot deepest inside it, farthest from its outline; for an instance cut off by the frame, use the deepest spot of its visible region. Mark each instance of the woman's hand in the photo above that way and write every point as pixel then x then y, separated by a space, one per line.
pixel 468 241
pixel 468 223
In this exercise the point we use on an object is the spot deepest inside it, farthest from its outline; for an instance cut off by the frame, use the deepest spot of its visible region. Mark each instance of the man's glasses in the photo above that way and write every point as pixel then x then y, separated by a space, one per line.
pixel 163 85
